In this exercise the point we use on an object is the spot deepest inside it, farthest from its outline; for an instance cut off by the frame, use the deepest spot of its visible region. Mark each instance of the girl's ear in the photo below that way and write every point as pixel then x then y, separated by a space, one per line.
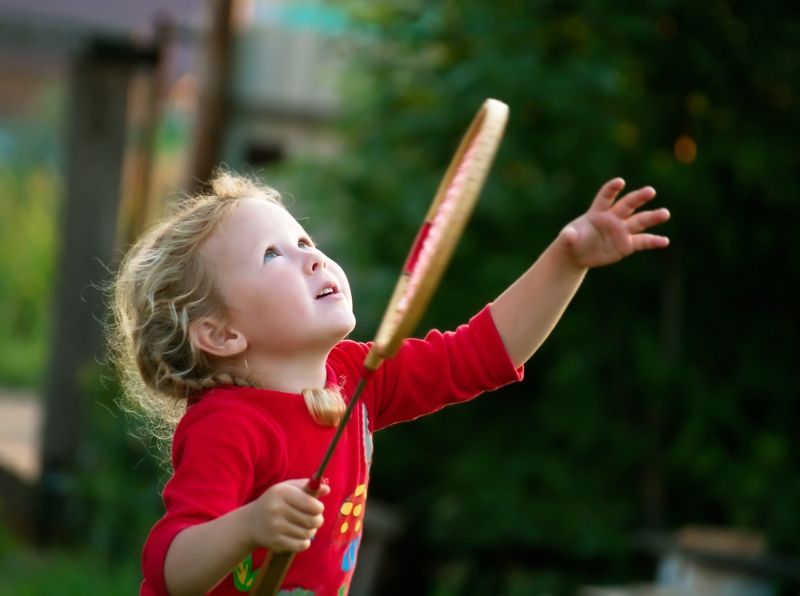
pixel 216 338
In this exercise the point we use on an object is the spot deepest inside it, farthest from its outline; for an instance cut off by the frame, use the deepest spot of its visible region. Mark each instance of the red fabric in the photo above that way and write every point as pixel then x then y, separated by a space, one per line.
pixel 236 442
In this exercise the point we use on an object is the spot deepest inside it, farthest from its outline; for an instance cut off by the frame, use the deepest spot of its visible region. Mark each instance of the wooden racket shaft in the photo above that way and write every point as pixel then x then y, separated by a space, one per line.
pixel 431 252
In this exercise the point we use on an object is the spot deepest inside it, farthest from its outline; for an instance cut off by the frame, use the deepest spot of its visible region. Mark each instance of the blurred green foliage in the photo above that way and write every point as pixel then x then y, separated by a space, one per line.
pixel 65 572
pixel 29 189
pixel 668 394
pixel 115 497
pixel 27 256
pixel 111 501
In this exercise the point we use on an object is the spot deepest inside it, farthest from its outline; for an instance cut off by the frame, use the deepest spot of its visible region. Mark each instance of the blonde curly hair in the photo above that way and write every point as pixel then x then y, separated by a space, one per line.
pixel 162 286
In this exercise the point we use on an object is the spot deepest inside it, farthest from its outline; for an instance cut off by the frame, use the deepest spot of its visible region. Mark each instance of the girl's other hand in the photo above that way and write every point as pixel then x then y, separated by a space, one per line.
pixel 612 229
pixel 285 518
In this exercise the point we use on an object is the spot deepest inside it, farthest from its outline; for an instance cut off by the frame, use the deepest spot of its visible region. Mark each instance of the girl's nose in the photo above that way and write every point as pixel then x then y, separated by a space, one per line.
pixel 315 262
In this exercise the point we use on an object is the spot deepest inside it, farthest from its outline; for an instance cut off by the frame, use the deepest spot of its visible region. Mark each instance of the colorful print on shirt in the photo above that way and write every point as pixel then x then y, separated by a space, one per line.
pixel 349 524
pixel 244 575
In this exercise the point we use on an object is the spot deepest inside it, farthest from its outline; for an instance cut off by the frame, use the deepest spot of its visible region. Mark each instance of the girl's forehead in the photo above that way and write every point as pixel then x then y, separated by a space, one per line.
pixel 251 223
pixel 258 216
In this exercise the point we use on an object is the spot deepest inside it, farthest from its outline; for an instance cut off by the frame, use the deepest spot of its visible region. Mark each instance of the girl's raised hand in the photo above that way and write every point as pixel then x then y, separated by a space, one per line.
pixel 285 518
pixel 612 229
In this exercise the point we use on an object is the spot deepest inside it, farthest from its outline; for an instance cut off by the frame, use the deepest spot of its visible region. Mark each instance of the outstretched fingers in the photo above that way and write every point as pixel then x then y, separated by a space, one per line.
pixel 628 204
pixel 607 193
pixel 648 241
pixel 646 219
pixel 639 222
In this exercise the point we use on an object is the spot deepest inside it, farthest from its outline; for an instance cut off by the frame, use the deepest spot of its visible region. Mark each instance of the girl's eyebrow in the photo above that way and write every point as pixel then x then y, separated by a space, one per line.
pixel 304 235
pixel 257 241
pixel 259 245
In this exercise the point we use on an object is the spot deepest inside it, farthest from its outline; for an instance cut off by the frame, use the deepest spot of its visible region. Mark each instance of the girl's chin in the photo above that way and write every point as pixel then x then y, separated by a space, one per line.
pixel 347 327
pixel 336 331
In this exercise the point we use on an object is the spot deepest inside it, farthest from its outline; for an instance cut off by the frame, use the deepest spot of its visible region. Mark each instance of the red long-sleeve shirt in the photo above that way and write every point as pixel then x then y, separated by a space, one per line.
pixel 234 443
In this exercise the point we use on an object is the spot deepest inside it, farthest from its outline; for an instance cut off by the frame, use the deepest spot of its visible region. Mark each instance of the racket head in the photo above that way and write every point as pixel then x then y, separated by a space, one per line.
pixel 444 223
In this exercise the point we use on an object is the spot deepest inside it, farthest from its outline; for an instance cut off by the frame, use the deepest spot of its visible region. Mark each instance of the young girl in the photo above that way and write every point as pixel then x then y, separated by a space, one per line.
pixel 228 310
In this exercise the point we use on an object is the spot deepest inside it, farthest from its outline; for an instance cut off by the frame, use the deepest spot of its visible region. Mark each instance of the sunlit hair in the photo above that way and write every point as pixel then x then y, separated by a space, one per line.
pixel 163 285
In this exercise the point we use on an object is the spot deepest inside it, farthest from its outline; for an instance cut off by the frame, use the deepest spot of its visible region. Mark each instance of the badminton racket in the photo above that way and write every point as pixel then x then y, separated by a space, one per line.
pixel 430 253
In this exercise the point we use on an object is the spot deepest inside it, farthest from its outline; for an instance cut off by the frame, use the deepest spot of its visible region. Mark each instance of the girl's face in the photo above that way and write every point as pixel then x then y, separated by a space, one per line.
pixel 280 291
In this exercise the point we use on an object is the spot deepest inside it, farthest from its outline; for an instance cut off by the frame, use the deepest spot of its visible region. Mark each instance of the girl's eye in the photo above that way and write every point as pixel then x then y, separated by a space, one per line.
pixel 270 254
pixel 305 243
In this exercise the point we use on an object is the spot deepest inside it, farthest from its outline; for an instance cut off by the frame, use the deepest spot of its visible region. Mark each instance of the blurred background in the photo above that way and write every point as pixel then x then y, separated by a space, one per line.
pixel 652 447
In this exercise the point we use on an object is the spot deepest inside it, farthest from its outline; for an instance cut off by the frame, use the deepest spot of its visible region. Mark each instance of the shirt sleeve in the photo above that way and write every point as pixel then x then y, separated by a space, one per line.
pixel 217 453
pixel 428 374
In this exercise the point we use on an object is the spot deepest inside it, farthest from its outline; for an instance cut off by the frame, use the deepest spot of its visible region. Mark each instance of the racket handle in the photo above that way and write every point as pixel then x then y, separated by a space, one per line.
pixel 275 565
pixel 313 485
pixel 271 574
pixel 373 360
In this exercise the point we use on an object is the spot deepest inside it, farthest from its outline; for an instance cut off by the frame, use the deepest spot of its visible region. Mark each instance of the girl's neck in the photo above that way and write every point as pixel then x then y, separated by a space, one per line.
pixel 287 375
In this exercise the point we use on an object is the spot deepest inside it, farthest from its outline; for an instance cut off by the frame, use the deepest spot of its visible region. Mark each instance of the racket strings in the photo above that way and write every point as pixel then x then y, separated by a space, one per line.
pixel 430 241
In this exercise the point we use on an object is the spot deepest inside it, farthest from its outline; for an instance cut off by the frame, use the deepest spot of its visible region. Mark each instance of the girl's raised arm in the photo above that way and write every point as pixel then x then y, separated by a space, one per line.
pixel 528 310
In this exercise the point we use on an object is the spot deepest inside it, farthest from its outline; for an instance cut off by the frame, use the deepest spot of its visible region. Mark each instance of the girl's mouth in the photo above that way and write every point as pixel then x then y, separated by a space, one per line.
pixel 327 290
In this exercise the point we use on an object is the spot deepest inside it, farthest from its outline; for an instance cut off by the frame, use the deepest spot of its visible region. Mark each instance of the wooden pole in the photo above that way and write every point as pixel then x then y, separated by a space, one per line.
pixel 95 140
pixel 213 111
pixel 139 202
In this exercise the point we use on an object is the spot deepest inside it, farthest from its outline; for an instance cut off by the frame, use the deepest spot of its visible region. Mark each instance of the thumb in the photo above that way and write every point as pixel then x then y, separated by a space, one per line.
pixel 324 490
